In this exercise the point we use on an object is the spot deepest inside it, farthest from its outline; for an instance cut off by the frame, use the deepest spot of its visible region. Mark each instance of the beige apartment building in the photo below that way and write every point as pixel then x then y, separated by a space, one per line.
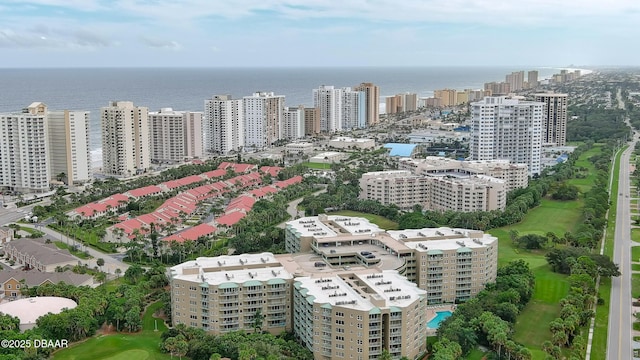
pixel 516 176
pixel 69 146
pixel 401 103
pixel 371 102
pixel 450 264
pixel 358 315
pixel 175 135
pixel 126 146
pixel 311 121
pixel 347 289
pixel 442 192
pixel 225 293
pixel 446 97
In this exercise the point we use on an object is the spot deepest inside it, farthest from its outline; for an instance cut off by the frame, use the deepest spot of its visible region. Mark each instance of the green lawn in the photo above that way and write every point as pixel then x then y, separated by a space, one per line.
pixel 475 354
pixel 635 286
pixel 635 253
pixel 321 166
pixel 80 254
pixel 635 236
pixel 584 184
pixel 140 346
pixel 551 216
pixel 382 222
pixel 635 267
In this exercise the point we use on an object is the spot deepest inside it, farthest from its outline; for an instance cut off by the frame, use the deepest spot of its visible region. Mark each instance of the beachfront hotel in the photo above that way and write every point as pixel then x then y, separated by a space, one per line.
pixel 507 128
pixel 437 191
pixel 125 139
pixel 175 135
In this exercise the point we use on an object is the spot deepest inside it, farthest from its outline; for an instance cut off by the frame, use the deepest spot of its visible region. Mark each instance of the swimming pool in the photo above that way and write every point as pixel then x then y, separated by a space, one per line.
pixel 440 316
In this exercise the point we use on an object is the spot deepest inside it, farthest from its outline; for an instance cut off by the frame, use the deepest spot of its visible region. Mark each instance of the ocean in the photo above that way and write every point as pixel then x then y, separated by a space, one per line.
pixel 187 88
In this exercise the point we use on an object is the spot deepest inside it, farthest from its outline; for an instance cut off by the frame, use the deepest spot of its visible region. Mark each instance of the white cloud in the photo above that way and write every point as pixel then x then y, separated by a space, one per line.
pixel 160 43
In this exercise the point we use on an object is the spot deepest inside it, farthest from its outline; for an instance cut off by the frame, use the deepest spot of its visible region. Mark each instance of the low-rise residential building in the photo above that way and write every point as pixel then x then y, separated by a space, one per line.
pixel 37 254
pixel 516 176
pixel 345 142
pixel 443 191
pixel 12 282
pixel 299 148
pixel 6 234
pixel 329 157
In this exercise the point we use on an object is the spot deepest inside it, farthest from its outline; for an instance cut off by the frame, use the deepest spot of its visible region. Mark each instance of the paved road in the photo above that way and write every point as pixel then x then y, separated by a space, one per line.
pixel 111 263
pixel 9 215
pixel 619 341
pixel 292 209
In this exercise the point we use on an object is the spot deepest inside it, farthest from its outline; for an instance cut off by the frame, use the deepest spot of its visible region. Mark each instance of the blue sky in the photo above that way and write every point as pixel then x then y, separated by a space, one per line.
pixel 214 33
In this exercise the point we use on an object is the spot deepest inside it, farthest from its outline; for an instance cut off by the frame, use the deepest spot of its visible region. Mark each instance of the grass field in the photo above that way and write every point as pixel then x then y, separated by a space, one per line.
pixel 635 236
pixel 322 166
pixel 80 254
pixel 475 354
pixel 382 222
pixel 584 184
pixel 139 346
pixel 635 286
pixel 635 253
pixel 635 267
pixel 532 326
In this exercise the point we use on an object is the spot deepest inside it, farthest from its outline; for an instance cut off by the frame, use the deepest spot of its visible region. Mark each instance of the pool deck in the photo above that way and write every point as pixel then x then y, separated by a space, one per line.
pixel 431 313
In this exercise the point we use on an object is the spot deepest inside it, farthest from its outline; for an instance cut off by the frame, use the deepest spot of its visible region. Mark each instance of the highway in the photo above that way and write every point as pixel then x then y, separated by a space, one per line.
pixel 619 340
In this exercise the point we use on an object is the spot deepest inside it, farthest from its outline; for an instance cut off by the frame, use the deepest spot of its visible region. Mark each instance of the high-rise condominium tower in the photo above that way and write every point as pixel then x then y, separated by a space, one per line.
pixel 516 80
pixel 311 121
pixel 505 128
pixel 371 102
pixel 532 79
pixel 125 139
pixel 555 118
pixel 24 152
pixel 175 135
pixel 70 158
pixel 329 102
pixel 353 109
pixel 262 119
pixel 293 122
pixel 223 125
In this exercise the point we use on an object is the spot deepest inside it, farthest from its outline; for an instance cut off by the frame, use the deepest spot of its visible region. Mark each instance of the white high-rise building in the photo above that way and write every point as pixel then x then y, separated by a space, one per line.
pixel 262 119
pixel 223 124
pixel 506 128
pixel 555 118
pixel 125 139
pixel 293 123
pixel 353 109
pixel 329 102
pixel 70 157
pixel 24 152
pixel 175 135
